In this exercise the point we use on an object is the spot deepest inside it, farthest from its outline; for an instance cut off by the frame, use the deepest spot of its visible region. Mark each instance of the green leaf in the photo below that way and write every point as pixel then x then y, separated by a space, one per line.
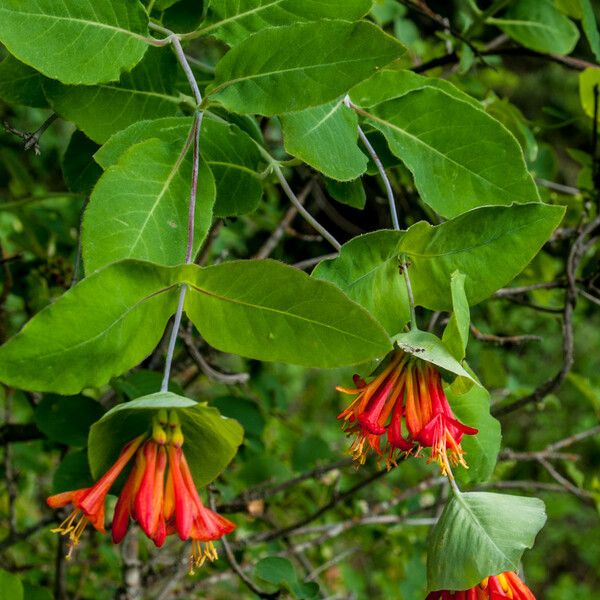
pixel 75 41
pixel 454 171
pixel 285 69
pixel 80 170
pixel 230 153
pixel 588 80
pixel 540 26
pixel 471 405
pixel 244 410
pixel 234 20
pixel 139 208
pixel 456 334
pixel 280 572
pixel 367 270
pixel 73 473
pixel 426 346
pixel 265 310
pixel 325 137
pixel 92 332
pixel 143 382
pixel 351 193
pixel 388 84
pixel 11 587
pixel 20 84
pixel 147 92
pixel 34 592
pixel 212 440
pixel 67 419
pixel 490 245
pixel 590 26
pixel 481 534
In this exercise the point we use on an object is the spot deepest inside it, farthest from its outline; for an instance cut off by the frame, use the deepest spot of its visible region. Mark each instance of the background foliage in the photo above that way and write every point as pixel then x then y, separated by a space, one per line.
pixel 507 113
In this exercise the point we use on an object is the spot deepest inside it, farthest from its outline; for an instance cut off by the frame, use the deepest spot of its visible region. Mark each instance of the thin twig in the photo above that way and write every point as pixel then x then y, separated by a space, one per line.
pixel 311 262
pixel 510 340
pixel 267 248
pixel 226 378
pixel 235 565
pixel 294 200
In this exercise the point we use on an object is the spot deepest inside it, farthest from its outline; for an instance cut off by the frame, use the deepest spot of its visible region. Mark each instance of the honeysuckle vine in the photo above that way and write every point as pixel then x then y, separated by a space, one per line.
pixel 181 187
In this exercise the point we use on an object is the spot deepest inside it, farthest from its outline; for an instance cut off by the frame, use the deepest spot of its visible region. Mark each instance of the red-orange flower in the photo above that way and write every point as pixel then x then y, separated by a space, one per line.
pixel 405 402
pixel 159 494
pixel 505 585
pixel 88 503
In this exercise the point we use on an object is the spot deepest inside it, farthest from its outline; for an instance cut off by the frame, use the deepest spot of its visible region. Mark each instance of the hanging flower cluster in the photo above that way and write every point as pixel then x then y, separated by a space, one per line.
pixel 505 585
pixel 159 494
pixel 405 402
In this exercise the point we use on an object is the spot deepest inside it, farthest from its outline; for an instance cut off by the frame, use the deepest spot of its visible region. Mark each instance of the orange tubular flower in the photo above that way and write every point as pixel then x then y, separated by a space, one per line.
pixel 505 585
pixel 406 395
pixel 88 503
pixel 159 494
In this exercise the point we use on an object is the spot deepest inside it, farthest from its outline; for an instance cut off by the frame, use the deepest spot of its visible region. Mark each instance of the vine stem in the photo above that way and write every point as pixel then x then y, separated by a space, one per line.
pixel 393 211
pixel 173 39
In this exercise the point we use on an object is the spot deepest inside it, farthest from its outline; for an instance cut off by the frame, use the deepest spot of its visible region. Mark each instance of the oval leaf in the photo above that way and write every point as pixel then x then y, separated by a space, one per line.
pixel 139 208
pixel 285 69
pixel 481 534
pixel 269 311
pixel 95 331
pixel 367 270
pixel 454 171
pixel 325 137
pixel 211 440
pixel 75 41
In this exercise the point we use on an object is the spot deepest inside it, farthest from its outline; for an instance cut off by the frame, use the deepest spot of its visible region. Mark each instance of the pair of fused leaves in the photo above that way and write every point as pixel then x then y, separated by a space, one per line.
pixel 100 328
pixel 489 245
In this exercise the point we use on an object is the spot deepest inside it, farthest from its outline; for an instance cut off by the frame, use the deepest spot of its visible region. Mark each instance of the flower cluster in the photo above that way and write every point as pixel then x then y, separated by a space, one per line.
pixel 159 494
pixel 406 403
pixel 505 585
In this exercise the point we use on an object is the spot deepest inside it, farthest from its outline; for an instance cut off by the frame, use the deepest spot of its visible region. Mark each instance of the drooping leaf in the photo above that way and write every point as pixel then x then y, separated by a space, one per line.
pixel 20 84
pixel 539 25
pixel 368 271
pixel 96 330
pixel 212 439
pixel 79 42
pixel 325 137
pixel 456 333
pixel 139 208
pixel 481 534
pixel 232 156
pixel 490 245
pixel 471 405
pixel 454 171
pixel 293 319
pixel 234 20
pixel 351 193
pixel 148 92
pixel 67 419
pixel 388 84
pixel 427 346
pixel 285 69
pixel 80 170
